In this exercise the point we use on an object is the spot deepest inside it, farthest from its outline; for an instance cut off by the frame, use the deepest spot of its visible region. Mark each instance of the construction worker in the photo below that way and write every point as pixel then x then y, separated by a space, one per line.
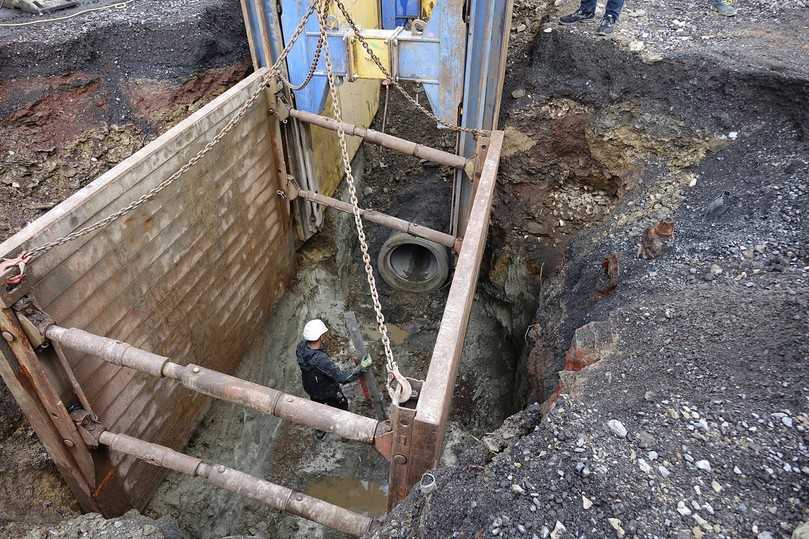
pixel 587 10
pixel 321 377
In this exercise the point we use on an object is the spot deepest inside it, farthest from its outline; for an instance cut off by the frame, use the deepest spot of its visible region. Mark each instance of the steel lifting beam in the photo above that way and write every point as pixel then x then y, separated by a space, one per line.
pixel 222 386
pixel 383 219
pixel 388 141
pixel 276 496
pixel 418 431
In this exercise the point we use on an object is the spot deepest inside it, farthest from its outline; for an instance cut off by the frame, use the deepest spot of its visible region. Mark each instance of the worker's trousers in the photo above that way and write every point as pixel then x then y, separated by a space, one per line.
pixel 337 401
pixel 614 7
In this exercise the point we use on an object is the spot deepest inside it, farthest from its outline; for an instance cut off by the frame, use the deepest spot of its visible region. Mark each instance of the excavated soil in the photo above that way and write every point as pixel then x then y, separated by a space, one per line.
pixel 80 95
pixel 77 97
pixel 681 405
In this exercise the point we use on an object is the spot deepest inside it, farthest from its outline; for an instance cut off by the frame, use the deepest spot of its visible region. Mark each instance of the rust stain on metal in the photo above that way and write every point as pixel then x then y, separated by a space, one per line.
pixel 107 479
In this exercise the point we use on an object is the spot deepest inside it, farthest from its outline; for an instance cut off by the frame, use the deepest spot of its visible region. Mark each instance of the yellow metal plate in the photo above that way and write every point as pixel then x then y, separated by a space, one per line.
pixel 427 7
pixel 362 66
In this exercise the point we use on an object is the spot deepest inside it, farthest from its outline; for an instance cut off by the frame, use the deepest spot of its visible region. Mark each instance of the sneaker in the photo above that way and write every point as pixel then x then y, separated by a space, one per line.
pixel 607 25
pixel 578 16
pixel 726 8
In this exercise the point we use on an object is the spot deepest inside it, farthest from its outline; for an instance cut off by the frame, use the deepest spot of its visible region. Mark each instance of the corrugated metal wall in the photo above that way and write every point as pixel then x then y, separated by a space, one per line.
pixel 191 274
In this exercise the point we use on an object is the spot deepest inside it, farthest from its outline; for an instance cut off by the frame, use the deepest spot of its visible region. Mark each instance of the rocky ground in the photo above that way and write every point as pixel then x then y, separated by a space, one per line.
pixel 681 408
pixel 76 97
pixel 132 525
pixel 80 95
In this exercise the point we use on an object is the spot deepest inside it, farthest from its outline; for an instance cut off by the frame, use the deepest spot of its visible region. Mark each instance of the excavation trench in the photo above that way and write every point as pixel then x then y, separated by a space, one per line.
pixel 610 147
pixel 329 282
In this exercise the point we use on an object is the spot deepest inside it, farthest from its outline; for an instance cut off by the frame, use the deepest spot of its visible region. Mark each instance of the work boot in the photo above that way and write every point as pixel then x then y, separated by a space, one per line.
pixel 578 16
pixel 726 8
pixel 607 24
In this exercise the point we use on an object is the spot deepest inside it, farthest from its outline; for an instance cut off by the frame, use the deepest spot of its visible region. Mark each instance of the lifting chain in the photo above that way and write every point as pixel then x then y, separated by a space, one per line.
pixel 371 54
pixel 33 254
pixel 398 386
pixel 312 69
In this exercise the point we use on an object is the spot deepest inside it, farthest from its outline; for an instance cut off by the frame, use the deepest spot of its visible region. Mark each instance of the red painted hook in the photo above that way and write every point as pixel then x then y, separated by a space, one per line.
pixel 19 263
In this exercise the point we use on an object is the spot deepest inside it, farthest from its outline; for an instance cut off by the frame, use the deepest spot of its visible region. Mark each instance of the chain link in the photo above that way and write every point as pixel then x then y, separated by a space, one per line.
pixel 267 79
pixel 369 51
pixel 402 391
pixel 312 69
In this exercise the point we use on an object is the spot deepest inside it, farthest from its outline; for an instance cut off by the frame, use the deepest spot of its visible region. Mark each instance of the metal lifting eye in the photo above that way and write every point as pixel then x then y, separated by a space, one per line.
pixel 332 23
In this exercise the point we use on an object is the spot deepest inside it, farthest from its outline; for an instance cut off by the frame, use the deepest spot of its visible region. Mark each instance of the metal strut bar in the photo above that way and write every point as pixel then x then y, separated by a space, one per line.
pixel 383 219
pixel 276 496
pixel 388 141
pixel 222 386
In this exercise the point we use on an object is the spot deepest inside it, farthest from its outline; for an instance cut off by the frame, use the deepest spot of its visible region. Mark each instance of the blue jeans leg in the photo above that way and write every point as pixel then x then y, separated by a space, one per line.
pixel 588 5
pixel 614 8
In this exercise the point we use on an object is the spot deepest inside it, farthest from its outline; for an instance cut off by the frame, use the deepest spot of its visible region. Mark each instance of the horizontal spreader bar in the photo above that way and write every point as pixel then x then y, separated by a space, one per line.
pixel 276 496
pixel 382 139
pixel 222 386
pixel 389 221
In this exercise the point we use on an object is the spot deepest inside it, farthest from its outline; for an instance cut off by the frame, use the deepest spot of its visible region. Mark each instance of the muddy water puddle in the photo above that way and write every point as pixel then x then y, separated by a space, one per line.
pixel 357 495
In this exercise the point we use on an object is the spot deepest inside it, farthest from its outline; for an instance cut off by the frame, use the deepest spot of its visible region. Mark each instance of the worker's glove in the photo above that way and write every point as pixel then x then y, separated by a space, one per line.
pixel 366 362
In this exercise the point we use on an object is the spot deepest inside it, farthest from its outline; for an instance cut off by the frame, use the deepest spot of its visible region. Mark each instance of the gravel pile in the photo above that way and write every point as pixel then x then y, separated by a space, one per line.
pixel 695 425
pixel 132 525
pixel 694 421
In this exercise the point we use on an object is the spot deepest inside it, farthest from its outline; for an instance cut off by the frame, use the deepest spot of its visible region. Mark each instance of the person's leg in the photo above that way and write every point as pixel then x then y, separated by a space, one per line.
pixel 610 19
pixel 319 434
pixel 585 12
pixel 588 6
pixel 724 7
pixel 614 8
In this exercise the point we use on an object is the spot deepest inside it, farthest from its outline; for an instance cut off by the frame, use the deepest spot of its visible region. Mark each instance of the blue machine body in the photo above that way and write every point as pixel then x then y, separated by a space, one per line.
pixel 397 13
pixel 434 58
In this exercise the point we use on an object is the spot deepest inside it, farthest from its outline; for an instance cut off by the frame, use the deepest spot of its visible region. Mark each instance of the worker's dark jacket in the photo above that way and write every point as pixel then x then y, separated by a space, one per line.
pixel 321 377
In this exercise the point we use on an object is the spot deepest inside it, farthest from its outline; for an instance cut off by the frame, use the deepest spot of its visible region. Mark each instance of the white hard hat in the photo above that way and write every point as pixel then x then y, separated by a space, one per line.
pixel 314 329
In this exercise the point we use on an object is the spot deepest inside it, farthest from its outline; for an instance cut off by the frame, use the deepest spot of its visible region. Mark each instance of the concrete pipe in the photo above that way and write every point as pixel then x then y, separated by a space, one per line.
pixel 413 264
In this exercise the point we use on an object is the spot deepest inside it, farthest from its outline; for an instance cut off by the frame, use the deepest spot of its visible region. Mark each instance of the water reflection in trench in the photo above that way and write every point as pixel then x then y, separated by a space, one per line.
pixel 358 495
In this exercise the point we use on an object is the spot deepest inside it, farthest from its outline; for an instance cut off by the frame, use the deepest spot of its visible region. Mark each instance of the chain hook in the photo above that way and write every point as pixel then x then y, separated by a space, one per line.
pixel 18 262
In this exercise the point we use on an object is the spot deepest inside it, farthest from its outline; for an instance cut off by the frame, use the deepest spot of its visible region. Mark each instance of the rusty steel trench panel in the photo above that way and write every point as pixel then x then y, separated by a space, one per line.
pixel 191 274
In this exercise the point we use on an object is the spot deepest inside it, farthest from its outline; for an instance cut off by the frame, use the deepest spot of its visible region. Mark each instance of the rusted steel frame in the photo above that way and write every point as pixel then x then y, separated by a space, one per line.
pixel 85 402
pixel 48 395
pixel 389 221
pixel 402 420
pixel 20 383
pixel 388 141
pixel 276 496
pixel 32 321
pixel 222 386
pixel 432 409
pixel 89 474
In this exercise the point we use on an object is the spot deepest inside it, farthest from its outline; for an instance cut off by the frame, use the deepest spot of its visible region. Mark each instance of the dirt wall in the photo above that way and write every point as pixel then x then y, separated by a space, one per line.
pixel 76 98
